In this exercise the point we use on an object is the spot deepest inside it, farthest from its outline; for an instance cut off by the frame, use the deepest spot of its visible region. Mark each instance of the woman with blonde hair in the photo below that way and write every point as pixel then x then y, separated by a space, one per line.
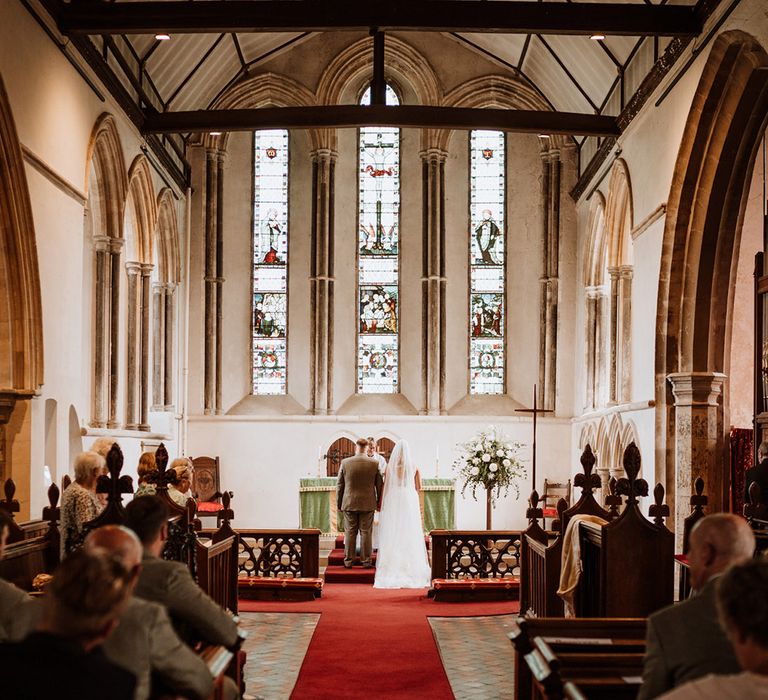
pixel 147 466
pixel 182 490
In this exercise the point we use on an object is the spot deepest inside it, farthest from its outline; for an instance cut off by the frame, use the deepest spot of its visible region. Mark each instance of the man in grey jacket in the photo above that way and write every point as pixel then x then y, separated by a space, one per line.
pixel 145 642
pixel 358 493
pixel 685 641
pixel 170 583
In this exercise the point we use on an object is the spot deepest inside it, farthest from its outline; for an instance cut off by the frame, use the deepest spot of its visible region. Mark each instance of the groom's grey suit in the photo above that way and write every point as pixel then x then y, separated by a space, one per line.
pixel 358 494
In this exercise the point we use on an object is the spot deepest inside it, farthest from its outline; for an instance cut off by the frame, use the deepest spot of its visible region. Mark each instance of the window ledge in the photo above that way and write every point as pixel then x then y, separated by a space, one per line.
pixel 486 405
pixel 118 433
pixel 284 405
pixel 377 405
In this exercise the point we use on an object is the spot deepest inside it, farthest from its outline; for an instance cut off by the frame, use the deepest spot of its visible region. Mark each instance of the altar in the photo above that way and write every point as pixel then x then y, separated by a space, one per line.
pixel 317 504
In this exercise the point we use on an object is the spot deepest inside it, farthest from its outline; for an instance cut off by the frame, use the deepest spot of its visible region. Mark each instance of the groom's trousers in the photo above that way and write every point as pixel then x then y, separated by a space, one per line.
pixel 355 520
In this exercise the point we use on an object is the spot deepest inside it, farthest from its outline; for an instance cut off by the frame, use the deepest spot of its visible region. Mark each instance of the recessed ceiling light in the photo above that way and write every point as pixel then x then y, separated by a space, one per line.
pixel 163 37
pixel 215 133
pixel 597 37
pixel 543 136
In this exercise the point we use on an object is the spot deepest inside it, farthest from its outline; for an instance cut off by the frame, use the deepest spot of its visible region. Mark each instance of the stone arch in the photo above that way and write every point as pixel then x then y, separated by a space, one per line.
pixel 168 259
pixel 106 184
pixel 705 208
pixel 352 68
pixel 619 215
pixel 262 90
pixel 142 198
pixel 499 91
pixel 595 253
pixel 21 325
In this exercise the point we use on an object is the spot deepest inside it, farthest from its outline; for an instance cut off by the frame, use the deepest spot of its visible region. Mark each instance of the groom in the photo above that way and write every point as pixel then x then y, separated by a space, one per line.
pixel 358 494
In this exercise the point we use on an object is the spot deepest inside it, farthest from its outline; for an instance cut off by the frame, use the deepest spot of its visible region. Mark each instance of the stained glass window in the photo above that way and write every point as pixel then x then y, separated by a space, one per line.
pixel 378 256
pixel 270 261
pixel 487 262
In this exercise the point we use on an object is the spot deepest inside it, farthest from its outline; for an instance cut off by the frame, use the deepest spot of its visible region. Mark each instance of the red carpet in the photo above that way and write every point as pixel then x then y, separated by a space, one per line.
pixel 374 643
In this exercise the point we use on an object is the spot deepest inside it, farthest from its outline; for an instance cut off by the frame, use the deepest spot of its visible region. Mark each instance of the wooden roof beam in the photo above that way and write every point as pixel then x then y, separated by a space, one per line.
pixel 505 17
pixel 406 116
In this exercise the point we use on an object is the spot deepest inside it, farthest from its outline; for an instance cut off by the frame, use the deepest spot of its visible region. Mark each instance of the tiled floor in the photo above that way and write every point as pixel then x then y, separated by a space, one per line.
pixel 477 655
pixel 276 646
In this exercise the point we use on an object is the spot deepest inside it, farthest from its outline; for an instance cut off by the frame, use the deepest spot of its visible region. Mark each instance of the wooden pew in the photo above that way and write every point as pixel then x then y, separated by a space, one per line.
pixel 542 559
pixel 698 501
pixel 216 555
pixel 475 565
pixel 605 589
pixel 27 556
pixel 570 636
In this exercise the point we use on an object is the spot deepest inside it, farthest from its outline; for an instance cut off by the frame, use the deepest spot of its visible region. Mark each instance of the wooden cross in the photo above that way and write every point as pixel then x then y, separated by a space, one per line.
pixel 535 411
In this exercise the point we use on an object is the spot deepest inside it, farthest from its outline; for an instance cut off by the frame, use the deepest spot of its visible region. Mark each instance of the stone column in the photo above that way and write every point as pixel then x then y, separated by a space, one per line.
pixel 698 440
pixel 158 355
pixel 219 281
pixel 211 199
pixel 7 402
pixel 144 355
pixel 591 347
pixel 134 344
pixel 625 333
pixel 115 271
pixel 169 327
pixel 100 328
pixel 549 281
pixel 322 281
pixel 613 342
pixel 433 281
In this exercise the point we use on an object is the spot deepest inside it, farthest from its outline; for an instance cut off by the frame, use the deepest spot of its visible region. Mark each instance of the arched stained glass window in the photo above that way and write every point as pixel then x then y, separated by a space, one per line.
pixel 270 261
pixel 487 262
pixel 378 256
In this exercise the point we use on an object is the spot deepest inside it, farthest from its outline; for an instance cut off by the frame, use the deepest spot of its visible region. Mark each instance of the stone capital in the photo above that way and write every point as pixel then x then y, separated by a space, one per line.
pixel 146 269
pixel 626 271
pixel 322 154
pixel 116 244
pixel 133 268
pixel 434 154
pixel 101 244
pixel 595 292
pixel 696 388
pixel 614 272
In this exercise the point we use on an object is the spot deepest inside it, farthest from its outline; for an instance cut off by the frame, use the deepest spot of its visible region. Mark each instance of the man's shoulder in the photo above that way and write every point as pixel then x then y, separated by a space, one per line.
pixel 360 459
pixel 685 614
pixel 11 595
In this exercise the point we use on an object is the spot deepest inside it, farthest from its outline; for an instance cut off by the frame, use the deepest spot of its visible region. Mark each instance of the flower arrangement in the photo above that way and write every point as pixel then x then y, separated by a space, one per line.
pixel 489 460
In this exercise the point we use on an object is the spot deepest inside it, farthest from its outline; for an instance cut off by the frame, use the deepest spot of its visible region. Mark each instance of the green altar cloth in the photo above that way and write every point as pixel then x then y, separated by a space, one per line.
pixel 317 501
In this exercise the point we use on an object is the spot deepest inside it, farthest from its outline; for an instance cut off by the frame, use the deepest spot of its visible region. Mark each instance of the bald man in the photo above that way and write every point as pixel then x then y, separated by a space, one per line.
pixel 145 642
pixel 685 641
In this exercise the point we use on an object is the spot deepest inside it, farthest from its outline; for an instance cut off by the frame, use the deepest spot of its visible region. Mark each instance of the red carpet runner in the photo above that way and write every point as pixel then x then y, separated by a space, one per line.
pixel 374 643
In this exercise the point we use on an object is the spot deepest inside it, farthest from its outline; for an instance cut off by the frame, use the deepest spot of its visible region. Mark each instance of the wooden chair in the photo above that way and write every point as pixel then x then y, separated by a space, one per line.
pixel 206 486
pixel 553 492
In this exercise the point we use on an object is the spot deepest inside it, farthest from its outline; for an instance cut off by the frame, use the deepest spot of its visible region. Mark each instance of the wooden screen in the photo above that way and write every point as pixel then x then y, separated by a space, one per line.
pixel 385 446
pixel 340 449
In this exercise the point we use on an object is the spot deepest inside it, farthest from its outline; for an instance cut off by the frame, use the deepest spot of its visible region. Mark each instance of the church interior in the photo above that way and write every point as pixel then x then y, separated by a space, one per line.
pixel 244 243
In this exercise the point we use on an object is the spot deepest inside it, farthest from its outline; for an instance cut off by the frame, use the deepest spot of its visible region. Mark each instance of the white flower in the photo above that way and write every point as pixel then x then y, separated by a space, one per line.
pixel 493 466
pixel 499 453
pixel 509 454
pixel 491 476
pixel 475 460
pixel 474 471
pixel 486 457
pixel 507 463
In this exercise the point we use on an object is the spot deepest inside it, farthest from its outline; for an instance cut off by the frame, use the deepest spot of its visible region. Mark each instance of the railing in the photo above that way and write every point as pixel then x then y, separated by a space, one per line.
pixel 475 554
pixel 279 553
pixel 217 571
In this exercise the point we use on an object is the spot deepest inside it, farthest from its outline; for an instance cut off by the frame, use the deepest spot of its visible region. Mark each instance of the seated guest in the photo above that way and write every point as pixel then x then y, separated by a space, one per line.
pixel 195 616
pixel 145 642
pixel 758 474
pixel 79 504
pixel 18 612
pixel 102 446
pixel 146 467
pixel 181 492
pixel 742 601
pixel 685 641
pixel 63 658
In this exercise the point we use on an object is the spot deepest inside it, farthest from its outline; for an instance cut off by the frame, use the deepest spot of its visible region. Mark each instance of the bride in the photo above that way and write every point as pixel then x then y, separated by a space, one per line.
pixel 402 557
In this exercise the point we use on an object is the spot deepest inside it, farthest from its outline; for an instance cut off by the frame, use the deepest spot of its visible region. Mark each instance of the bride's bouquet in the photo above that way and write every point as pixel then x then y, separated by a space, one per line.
pixel 489 460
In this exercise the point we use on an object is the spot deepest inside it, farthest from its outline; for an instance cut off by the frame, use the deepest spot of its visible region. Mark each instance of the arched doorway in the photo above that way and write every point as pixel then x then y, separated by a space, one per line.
pixel 701 240
pixel 21 331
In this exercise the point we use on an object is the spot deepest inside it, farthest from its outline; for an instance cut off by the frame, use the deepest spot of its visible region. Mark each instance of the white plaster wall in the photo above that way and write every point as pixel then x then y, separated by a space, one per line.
pixel 55 112
pixel 262 459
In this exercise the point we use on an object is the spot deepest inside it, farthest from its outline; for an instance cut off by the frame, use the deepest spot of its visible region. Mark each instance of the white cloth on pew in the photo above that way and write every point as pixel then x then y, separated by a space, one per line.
pixel 570 567
pixel 736 687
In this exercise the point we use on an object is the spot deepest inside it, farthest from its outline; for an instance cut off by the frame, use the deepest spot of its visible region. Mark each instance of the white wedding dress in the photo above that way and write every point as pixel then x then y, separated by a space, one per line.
pixel 401 561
